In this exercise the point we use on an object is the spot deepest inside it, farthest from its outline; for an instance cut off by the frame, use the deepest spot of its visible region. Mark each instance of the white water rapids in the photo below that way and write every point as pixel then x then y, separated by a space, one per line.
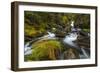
pixel 68 40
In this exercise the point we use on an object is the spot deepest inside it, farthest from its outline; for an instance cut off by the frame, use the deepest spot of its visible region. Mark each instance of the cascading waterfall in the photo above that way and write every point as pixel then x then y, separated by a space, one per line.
pixel 69 38
pixel 72 37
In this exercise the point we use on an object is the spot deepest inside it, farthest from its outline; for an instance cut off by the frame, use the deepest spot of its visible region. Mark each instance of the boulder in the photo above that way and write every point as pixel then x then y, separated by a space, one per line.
pixel 71 54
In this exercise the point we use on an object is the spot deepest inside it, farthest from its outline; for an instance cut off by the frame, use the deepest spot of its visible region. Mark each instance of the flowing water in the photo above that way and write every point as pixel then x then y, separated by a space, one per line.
pixel 27 47
pixel 68 39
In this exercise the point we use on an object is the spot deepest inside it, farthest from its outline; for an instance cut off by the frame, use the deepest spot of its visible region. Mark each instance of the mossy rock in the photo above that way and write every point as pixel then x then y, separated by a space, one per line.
pixel 46 50
pixel 31 31
pixel 71 54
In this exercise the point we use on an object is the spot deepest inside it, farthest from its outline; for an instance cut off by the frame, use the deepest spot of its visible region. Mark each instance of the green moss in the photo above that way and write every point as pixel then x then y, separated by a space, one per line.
pixel 29 30
pixel 32 32
pixel 86 30
pixel 45 50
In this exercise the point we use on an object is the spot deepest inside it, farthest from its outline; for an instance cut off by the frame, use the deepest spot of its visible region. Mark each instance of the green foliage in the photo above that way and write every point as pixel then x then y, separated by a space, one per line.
pixel 40 22
pixel 37 24
pixel 86 30
pixel 31 31
pixel 45 50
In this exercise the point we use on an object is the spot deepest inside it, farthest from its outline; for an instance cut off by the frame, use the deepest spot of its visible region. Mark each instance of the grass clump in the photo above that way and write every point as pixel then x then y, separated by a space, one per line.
pixel 46 50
